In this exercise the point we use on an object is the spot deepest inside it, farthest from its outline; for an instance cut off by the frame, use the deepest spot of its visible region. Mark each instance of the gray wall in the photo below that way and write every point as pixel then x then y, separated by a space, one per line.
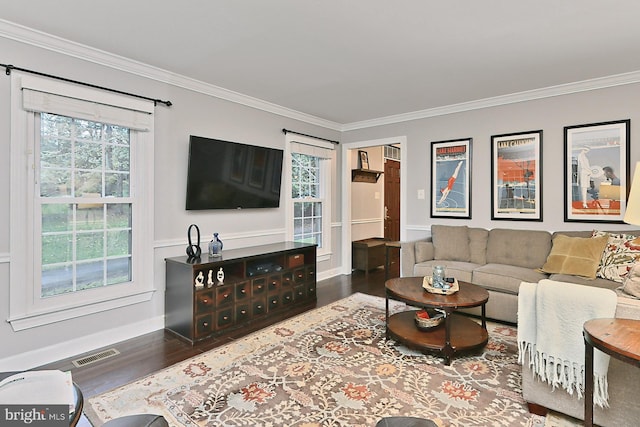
pixel 201 114
pixel 191 113
pixel 549 114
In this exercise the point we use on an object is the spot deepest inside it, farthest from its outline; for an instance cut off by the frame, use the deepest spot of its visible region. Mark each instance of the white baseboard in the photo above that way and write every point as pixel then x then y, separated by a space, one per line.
pixel 76 346
pixel 328 274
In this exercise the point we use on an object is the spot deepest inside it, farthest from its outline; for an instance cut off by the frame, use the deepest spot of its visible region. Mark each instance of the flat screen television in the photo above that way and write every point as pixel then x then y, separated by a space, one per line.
pixel 231 175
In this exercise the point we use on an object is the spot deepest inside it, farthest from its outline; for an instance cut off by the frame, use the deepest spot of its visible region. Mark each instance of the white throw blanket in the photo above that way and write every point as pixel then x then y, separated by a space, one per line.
pixel 551 316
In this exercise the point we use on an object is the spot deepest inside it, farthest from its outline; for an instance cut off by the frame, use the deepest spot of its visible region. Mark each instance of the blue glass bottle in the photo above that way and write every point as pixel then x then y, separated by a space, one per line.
pixel 215 246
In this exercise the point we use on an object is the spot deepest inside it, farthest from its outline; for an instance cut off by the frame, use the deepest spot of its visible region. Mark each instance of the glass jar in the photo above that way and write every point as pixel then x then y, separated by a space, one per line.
pixel 439 274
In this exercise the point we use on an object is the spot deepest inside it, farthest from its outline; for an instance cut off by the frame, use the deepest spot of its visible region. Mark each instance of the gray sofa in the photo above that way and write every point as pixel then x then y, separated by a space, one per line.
pixel 499 260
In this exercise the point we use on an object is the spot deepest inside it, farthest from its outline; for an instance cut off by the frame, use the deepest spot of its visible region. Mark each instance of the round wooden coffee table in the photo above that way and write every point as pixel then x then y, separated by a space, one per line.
pixel 459 333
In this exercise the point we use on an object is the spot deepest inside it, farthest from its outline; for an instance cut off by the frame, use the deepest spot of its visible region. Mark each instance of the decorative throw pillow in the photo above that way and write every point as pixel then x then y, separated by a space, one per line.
pixel 631 284
pixel 618 256
pixel 424 251
pixel 577 256
pixel 451 242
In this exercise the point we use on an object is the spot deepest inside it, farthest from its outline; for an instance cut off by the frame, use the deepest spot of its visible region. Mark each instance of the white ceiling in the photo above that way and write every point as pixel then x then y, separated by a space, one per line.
pixel 349 61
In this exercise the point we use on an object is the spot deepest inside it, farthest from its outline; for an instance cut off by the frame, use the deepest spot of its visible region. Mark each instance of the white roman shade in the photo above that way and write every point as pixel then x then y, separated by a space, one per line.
pixel 319 149
pixel 46 96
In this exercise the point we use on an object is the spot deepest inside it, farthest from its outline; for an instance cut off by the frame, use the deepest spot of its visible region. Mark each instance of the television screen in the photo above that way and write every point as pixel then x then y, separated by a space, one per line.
pixel 231 175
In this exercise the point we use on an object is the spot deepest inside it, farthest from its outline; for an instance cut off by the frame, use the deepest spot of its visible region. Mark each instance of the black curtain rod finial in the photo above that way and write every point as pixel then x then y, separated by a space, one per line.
pixel 8 69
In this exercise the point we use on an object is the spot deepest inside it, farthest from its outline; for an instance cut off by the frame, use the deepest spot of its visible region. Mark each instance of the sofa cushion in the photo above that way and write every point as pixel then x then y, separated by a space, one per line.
pixel 478 245
pixel 522 248
pixel 578 280
pixel 505 278
pixel 451 242
pixel 424 251
pixel 576 256
pixel 618 256
pixel 459 269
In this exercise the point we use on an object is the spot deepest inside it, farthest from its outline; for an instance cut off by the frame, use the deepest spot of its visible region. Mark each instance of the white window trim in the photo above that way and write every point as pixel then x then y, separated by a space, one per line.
pixel 24 311
pixel 326 173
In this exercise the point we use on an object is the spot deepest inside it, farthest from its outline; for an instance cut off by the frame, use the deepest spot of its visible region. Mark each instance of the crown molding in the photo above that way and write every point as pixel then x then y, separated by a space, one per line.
pixel 56 44
pixel 52 43
pixel 529 95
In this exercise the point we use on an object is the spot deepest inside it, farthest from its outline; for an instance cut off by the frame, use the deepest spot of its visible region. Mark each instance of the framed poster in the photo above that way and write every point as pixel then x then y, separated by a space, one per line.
pixel 596 171
pixel 451 179
pixel 516 178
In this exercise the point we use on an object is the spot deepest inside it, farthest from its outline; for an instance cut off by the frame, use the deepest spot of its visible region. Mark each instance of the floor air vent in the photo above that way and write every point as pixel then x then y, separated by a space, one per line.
pixel 96 357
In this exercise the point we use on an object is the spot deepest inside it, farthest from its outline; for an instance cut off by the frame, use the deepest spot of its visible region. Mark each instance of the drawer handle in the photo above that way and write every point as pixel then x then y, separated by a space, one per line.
pixel 205 324
pixel 226 295
pixel 225 318
pixel 205 301
pixel 243 291
pixel 287 297
pixel 259 287
pixel 243 311
pixel 275 301
pixel 259 307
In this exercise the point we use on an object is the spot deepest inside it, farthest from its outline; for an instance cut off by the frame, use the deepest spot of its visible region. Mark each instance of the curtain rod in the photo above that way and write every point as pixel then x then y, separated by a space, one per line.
pixel 9 68
pixel 286 131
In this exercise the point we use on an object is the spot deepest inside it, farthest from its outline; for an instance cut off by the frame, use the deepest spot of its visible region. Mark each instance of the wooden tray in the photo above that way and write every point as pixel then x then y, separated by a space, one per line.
pixel 426 284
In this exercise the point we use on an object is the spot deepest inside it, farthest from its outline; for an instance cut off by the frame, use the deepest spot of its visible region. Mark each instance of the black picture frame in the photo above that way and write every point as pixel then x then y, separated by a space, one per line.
pixel 596 171
pixel 364 159
pixel 451 178
pixel 516 176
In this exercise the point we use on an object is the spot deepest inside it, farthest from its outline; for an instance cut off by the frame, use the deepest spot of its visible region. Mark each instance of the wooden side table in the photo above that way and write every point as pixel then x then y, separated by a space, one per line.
pixel 619 338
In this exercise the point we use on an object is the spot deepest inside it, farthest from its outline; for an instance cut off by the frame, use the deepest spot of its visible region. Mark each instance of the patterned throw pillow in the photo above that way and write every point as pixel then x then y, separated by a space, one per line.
pixel 618 256
pixel 631 285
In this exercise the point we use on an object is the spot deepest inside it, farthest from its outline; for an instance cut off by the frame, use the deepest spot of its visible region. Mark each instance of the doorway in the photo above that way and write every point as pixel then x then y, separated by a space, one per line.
pixel 396 226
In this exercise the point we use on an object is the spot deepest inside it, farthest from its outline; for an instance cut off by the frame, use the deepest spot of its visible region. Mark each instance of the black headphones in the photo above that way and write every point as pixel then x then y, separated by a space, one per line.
pixel 193 251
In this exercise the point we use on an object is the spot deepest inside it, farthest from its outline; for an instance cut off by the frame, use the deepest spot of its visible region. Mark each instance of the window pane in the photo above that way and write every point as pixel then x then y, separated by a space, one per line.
pixel 90 245
pixel 57 248
pixel 88 156
pixel 116 184
pixel 119 215
pixel 56 280
pixel 90 275
pixel 55 182
pixel 88 183
pixel 57 217
pixel 117 158
pixel 55 152
pixel 90 216
pixel 89 131
pixel 118 243
pixel 118 270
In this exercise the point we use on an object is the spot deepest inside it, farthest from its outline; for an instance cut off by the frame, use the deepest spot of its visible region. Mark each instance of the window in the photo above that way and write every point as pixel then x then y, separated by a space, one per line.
pixel 81 235
pixel 307 201
pixel 83 173
pixel 309 194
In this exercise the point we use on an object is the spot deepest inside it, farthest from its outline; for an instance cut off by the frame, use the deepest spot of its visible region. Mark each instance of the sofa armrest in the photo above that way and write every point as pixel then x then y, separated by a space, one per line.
pixel 412 253
pixel 628 308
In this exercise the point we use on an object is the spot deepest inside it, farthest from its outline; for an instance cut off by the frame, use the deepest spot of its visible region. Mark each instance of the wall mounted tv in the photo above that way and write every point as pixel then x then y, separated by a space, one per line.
pixel 231 175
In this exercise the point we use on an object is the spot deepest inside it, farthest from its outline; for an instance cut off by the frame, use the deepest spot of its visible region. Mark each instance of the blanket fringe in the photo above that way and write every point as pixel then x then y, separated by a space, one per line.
pixel 563 374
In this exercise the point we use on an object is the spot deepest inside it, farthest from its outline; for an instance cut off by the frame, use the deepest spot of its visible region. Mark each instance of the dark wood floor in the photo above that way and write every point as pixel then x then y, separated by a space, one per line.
pixel 149 353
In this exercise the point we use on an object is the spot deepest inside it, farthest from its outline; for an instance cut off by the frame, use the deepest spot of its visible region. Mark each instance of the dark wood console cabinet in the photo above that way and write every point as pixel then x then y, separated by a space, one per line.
pixel 259 281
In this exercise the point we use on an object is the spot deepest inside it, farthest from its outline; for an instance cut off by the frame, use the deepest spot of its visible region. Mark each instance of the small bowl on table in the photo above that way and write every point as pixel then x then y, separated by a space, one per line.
pixel 434 319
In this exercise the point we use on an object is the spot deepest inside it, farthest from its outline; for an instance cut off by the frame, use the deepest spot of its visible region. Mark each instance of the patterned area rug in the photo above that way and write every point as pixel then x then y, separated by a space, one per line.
pixel 329 367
